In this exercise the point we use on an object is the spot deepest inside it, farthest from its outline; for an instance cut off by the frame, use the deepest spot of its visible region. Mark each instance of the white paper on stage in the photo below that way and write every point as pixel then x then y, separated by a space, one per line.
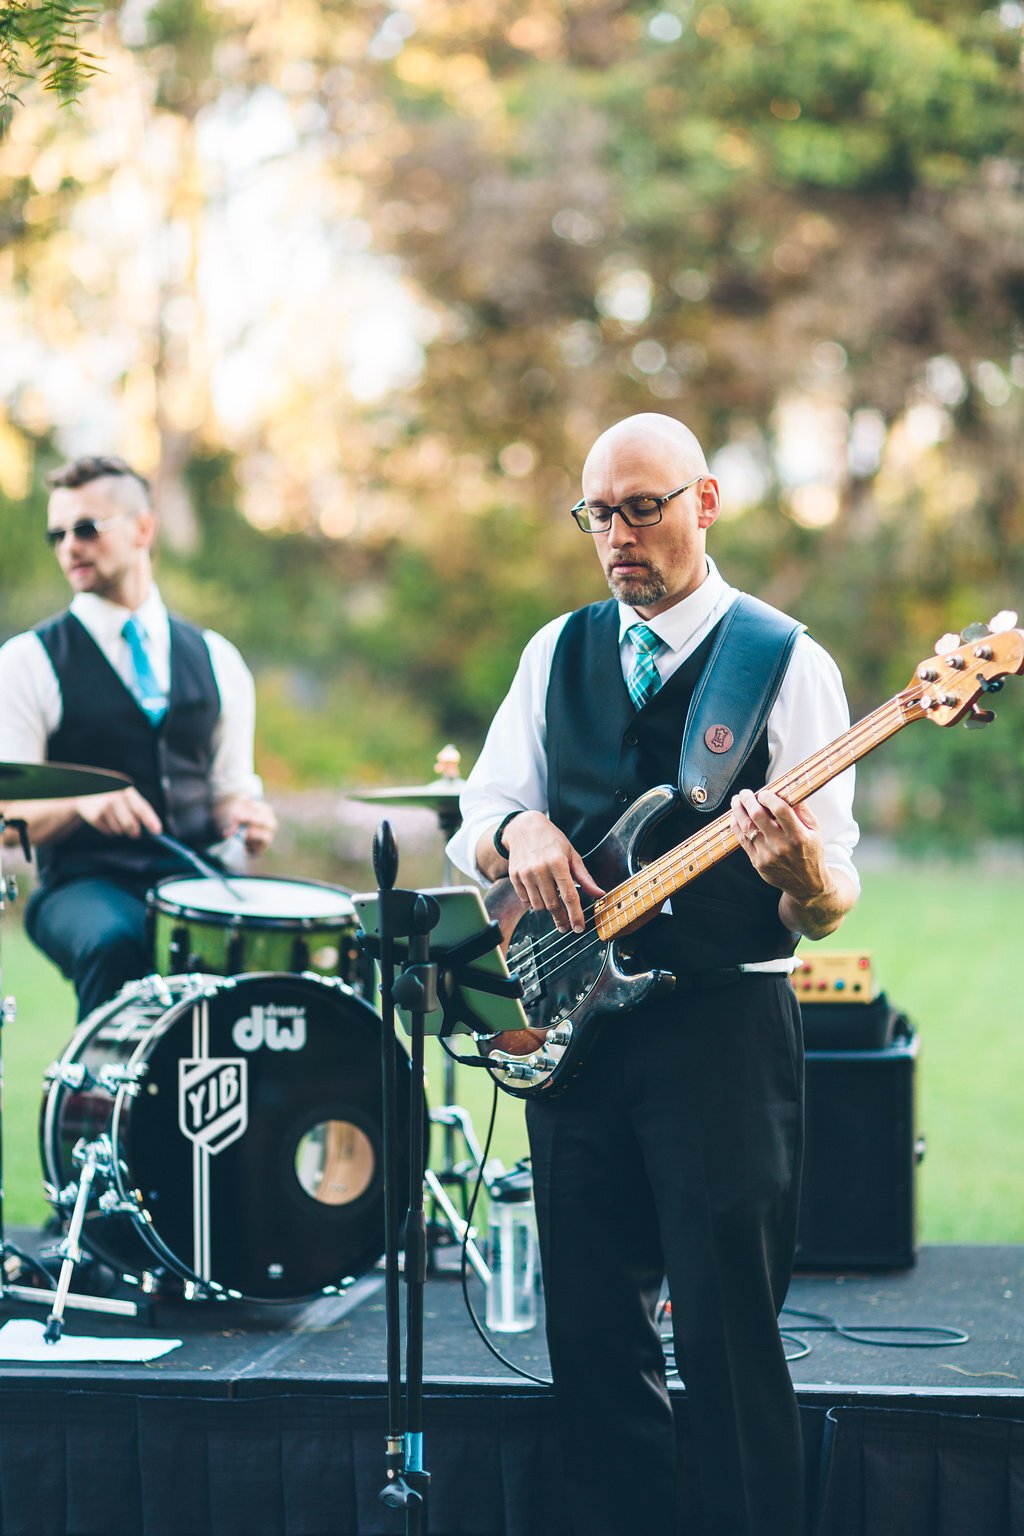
pixel 22 1339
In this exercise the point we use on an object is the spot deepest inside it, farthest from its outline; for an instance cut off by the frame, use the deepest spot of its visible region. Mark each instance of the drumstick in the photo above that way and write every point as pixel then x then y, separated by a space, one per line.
pixel 204 868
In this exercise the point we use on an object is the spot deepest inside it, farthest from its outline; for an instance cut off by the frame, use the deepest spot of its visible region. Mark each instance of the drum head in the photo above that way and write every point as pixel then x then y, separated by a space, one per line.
pixel 253 897
pixel 255 1139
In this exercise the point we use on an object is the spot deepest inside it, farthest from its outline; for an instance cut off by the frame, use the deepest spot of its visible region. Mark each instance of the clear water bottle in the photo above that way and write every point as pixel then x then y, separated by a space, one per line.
pixel 512 1251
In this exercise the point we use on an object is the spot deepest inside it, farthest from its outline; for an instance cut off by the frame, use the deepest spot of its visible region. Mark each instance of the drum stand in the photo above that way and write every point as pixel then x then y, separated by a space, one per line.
pixel 90 1156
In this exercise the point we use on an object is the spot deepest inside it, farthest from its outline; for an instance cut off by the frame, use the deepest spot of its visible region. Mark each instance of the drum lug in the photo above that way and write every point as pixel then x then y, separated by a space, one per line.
pixel 153 989
pixel 111 1204
pixel 73 1074
pixel 99 1153
pixel 113 1079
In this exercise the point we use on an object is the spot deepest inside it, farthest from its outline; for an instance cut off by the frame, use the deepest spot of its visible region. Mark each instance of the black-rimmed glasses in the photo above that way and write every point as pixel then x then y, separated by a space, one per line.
pixel 87 530
pixel 636 512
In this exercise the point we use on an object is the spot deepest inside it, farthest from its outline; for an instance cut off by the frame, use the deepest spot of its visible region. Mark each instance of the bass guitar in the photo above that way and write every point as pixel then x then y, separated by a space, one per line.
pixel 572 982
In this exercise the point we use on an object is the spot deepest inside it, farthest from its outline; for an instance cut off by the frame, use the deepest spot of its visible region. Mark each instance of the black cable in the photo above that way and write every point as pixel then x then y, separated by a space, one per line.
pixel 541 1381
pixel 32 1263
pixel 803 1349
pixel 858 1333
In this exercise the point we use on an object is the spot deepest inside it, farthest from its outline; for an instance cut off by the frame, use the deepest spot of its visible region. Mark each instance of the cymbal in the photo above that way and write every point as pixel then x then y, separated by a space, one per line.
pixel 56 781
pixel 442 794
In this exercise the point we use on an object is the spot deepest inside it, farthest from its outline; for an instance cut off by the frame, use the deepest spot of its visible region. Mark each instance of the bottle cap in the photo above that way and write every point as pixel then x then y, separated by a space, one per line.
pixel 515 1185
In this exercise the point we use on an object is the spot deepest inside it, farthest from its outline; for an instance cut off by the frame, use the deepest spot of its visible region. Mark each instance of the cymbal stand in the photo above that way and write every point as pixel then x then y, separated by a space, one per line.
pixel 70 1252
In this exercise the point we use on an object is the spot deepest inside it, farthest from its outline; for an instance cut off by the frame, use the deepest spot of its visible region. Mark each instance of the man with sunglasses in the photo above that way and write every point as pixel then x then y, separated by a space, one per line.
pixel 116 682
pixel 676 1152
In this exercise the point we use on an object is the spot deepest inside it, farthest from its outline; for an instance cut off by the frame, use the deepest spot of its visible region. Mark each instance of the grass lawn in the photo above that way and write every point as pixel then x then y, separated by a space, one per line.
pixel 943 943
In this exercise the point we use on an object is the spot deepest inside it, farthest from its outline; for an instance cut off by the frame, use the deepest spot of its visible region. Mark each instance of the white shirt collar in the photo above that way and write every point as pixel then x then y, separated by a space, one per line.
pixel 106 620
pixel 678 624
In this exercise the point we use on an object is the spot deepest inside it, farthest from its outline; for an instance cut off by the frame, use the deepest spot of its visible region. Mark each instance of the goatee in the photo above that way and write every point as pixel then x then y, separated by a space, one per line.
pixel 638 591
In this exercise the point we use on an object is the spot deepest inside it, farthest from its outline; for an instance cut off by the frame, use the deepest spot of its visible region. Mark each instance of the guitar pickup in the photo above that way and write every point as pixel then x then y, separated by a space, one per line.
pixel 522 962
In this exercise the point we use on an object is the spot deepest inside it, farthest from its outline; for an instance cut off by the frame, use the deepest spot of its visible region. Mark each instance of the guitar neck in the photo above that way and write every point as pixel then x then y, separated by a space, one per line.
pixel 637 899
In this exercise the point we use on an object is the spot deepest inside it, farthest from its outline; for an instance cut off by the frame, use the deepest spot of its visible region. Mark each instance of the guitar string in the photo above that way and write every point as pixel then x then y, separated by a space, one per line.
pixel 700 846
pixel 568 948
pixel 673 861
pixel 874 729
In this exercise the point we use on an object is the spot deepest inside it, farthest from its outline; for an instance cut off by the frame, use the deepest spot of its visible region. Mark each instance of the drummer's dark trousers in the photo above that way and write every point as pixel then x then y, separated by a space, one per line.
pixel 676 1152
pixel 95 931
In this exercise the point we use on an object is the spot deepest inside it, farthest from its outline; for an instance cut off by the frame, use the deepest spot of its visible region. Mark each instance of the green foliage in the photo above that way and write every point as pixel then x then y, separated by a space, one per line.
pixel 349 730
pixel 48 35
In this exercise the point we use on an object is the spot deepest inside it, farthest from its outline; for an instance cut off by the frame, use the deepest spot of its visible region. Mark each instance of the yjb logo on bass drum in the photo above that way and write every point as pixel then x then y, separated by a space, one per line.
pixel 213 1101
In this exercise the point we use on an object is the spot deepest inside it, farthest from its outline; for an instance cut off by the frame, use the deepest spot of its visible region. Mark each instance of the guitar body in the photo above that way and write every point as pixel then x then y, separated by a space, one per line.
pixel 571 980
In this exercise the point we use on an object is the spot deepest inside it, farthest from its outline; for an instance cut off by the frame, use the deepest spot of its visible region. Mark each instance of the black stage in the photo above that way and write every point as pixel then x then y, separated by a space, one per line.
pixel 271 1419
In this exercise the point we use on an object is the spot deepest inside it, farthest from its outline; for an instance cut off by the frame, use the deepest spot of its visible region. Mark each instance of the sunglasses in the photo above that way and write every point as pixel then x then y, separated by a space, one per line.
pixel 88 530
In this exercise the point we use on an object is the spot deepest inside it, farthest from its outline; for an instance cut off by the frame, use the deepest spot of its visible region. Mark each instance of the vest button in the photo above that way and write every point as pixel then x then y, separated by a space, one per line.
pixel 631 738
pixel 621 796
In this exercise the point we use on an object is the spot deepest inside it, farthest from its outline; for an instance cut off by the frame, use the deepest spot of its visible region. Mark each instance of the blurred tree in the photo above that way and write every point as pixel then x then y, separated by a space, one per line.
pixel 747 213
pixel 750 215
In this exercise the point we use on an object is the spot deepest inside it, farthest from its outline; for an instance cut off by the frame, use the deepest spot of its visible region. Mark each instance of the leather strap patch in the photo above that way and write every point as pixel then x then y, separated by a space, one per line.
pixel 718 738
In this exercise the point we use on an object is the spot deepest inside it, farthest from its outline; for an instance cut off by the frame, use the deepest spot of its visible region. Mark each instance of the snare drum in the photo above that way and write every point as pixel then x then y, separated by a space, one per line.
pixel 254 923
pixel 238 1126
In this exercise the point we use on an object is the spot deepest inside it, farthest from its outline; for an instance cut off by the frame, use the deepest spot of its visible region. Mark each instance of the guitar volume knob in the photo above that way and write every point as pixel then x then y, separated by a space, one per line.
pixel 560 1035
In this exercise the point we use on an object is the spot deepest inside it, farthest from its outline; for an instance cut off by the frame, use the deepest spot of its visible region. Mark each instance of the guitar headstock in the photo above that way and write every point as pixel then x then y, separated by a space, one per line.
pixel 947 686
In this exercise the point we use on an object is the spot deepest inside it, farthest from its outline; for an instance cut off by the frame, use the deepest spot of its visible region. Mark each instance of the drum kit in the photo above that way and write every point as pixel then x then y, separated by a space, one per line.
pixel 214 1131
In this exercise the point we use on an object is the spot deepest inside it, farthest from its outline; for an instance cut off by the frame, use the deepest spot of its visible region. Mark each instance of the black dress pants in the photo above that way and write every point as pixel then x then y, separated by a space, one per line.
pixel 94 929
pixel 677 1152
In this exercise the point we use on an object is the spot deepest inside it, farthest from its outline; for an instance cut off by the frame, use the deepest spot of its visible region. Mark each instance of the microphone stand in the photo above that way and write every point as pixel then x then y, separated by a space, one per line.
pixel 404 915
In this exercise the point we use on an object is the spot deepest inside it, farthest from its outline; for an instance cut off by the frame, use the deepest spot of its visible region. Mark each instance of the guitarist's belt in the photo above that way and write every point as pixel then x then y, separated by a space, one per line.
pixel 722 976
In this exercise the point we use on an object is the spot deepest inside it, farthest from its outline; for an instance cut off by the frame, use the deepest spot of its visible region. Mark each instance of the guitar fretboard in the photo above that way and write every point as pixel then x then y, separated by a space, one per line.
pixel 642 895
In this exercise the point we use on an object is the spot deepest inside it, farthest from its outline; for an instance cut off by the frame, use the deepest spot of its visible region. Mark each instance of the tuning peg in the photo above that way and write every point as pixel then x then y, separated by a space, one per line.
pixel 975 632
pixel 979 717
pixel 1005 619
pixel 946 643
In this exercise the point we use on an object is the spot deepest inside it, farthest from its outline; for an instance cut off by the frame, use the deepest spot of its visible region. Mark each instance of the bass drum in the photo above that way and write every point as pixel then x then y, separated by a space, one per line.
pixel 242 1124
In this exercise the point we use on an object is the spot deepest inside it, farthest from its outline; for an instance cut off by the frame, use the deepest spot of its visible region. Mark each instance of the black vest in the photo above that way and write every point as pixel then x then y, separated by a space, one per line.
pixel 102 726
pixel 602 754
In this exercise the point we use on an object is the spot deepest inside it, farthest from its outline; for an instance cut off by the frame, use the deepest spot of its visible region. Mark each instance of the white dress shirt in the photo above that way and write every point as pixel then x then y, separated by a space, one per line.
pixel 31 707
pixel 811 710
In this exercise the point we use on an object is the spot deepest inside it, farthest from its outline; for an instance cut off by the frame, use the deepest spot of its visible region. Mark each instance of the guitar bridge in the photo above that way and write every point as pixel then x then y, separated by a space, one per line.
pixel 522 962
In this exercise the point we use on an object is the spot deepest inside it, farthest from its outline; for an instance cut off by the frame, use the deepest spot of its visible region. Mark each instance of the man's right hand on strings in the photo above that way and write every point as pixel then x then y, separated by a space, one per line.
pixel 545 870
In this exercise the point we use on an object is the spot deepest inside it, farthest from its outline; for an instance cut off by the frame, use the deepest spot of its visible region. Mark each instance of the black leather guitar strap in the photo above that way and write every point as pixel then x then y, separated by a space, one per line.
pixel 733 699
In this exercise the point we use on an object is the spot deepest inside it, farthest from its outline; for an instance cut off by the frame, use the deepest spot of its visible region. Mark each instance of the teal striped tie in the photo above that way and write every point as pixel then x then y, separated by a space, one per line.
pixel 150 696
pixel 643 682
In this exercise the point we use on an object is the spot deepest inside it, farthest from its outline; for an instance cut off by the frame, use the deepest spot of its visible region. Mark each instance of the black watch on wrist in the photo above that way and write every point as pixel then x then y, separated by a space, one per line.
pixel 499 845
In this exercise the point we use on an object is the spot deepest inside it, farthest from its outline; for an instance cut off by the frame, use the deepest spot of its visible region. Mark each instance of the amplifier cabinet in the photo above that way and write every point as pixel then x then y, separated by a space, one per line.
pixel 861 1151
